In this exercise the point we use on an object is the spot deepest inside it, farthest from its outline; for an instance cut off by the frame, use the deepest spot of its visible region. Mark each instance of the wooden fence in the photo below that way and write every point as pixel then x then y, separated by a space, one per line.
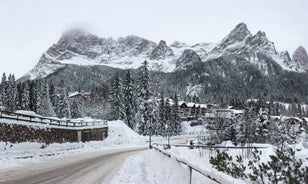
pixel 48 120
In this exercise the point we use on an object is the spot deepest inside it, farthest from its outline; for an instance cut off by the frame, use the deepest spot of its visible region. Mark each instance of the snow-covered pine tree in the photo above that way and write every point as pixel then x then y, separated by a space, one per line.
pixel 3 87
pixel 154 120
pixel 116 98
pixel 32 95
pixel 75 112
pixel 25 97
pixel 245 130
pixel 168 118
pixel 262 125
pixel 44 106
pixel 175 118
pixel 129 100
pixel 144 82
pixel 162 118
pixel 10 94
pixel 143 94
pixel 20 87
pixel 63 107
pixel 52 94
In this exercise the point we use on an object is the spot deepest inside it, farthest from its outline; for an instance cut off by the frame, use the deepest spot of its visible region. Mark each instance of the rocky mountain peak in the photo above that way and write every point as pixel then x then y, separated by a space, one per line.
pixel 300 56
pixel 258 39
pixel 78 42
pixel 188 58
pixel 259 42
pixel 239 33
pixel 161 51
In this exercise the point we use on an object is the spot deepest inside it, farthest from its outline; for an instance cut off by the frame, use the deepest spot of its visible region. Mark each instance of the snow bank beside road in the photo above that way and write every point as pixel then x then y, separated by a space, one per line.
pixel 152 167
pixel 120 134
pixel 119 137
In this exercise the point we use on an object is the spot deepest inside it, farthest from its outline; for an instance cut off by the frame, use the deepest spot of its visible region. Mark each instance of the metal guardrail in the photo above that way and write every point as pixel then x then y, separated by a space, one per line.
pixel 218 147
pixel 47 121
pixel 191 167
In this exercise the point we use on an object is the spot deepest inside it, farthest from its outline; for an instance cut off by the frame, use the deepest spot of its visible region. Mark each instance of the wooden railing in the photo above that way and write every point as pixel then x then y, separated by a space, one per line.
pixel 218 147
pixel 190 166
pixel 48 120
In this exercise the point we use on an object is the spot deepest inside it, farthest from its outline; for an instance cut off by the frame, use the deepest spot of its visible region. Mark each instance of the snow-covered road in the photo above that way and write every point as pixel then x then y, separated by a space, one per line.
pixel 97 167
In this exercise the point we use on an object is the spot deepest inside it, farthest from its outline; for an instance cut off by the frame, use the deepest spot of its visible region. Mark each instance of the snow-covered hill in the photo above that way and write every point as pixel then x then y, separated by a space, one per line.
pixel 81 48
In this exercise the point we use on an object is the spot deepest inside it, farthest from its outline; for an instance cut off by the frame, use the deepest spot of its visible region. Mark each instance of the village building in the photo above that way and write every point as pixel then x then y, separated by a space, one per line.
pixel 77 96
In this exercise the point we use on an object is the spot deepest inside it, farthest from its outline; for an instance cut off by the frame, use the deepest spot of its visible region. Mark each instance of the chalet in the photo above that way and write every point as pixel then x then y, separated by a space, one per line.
pixel 293 120
pixel 191 111
pixel 295 124
pixel 203 108
pixel 77 96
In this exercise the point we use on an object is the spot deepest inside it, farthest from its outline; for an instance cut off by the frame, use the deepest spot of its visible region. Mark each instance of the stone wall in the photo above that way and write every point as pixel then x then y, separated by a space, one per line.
pixel 16 133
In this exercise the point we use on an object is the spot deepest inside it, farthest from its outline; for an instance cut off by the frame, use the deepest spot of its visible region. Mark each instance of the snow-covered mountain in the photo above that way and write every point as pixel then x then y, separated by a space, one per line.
pixel 81 48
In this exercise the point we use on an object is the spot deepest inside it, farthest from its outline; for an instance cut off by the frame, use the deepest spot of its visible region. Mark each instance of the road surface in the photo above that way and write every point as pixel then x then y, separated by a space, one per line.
pixel 90 168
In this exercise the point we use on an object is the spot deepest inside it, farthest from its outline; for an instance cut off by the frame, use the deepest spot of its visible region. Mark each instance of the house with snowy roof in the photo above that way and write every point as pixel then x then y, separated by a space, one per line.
pixel 191 111
pixel 76 96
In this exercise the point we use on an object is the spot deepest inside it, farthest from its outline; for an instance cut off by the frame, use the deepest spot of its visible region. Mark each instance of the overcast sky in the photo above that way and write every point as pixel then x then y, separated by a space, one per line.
pixel 29 27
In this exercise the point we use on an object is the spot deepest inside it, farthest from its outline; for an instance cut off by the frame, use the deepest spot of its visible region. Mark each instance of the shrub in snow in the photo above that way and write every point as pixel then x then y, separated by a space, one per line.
pixel 283 167
pixel 257 169
pixel 224 162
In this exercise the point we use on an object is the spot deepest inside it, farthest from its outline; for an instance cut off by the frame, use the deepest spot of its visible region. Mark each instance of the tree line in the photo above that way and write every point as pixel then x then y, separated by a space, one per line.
pixel 132 100
pixel 125 97
pixel 38 96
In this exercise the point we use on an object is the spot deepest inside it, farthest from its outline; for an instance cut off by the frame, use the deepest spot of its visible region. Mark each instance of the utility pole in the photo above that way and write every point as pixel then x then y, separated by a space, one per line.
pixel 169 134
pixel 167 126
pixel 150 129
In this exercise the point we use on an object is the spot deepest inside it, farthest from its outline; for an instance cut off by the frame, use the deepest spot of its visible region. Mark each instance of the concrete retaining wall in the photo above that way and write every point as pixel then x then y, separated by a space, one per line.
pixel 16 133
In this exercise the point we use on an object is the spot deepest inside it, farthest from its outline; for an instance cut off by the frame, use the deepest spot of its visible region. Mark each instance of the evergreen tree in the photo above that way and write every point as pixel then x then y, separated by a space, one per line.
pixel 63 107
pixel 52 94
pixel 262 126
pixel 75 109
pixel 144 82
pixel 175 118
pixel 32 95
pixel 129 101
pixel 230 130
pixel 245 129
pixel 143 93
pixel 3 89
pixel 25 97
pixel 44 106
pixel 20 88
pixel 168 112
pixel 10 94
pixel 116 99
pixel 162 118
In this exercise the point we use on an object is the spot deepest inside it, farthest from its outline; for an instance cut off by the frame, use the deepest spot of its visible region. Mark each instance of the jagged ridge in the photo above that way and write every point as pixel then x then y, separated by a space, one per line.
pixel 81 48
